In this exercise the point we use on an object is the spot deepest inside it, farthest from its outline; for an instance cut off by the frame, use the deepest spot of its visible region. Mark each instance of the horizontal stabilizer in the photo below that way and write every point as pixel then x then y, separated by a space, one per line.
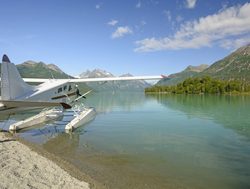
pixel 17 104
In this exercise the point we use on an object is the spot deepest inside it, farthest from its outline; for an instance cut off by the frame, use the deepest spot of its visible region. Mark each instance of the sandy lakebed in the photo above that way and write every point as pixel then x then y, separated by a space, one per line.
pixel 24 165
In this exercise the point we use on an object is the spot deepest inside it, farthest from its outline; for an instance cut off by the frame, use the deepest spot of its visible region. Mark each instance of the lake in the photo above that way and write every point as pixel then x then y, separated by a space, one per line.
pixel 158 141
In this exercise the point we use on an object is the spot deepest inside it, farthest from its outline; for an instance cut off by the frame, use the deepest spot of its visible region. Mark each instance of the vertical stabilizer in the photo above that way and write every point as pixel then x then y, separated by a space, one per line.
pixel 12 85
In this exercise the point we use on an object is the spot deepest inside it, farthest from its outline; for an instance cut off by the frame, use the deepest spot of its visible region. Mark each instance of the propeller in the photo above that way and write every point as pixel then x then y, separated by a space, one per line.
pixel 79 96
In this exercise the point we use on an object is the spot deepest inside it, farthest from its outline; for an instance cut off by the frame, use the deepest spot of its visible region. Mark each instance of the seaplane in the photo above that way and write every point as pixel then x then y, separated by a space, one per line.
pixel 54 95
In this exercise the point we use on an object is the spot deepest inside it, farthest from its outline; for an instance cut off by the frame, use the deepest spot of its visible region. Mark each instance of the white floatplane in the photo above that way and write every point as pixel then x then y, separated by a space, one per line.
pixel 17 95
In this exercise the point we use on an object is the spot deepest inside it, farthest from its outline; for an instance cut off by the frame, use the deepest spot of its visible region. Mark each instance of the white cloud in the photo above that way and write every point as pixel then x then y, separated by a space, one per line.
pixel 235 43
pixel 190 4
pixel 138 5
pixel 121 31
pixel 227 25
pixel 112 22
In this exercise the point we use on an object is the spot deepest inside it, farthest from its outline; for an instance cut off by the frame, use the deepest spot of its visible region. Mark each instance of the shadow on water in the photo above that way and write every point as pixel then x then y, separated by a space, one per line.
pixel 230 111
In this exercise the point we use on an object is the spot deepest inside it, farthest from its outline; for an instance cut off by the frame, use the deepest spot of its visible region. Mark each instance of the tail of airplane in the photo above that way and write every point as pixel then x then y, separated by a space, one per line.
pixel 12 85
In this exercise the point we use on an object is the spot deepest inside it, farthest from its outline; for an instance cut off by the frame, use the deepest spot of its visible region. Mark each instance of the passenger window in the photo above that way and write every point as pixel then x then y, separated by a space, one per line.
pixel 60 90
pixel 70 87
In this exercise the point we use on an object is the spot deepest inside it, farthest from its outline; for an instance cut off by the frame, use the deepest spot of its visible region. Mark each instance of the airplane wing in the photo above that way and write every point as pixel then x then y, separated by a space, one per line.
pixel 16 104
pixel 36 80
pixel 83 80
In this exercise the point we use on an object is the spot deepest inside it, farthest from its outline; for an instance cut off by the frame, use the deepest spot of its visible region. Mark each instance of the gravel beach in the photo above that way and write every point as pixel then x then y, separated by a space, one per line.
pixel 21 167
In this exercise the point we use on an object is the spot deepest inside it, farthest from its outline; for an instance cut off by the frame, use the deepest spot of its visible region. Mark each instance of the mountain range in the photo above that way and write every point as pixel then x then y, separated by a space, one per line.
pixel 235 66
pixel 190 71
pixel 32 69
pixel 112 85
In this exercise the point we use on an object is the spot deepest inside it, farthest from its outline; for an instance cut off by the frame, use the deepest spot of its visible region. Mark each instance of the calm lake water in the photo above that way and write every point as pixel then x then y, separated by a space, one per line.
pixel 158 141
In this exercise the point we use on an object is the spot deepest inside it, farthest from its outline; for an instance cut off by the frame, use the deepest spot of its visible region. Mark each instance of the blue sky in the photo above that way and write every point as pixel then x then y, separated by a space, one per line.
pixel 141 37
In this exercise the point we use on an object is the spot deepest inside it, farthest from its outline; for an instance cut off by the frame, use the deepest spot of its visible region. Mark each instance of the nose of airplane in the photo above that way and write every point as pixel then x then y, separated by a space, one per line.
pixel 5 58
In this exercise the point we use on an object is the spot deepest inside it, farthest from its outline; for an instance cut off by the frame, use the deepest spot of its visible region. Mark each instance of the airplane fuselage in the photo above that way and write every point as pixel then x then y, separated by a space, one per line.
pixel 52 90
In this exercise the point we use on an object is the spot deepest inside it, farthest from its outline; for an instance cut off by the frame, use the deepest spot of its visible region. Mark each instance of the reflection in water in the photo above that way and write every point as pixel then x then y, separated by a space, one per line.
pixel 230 111
pixel 106 101
pixel 6 120
pixel 158 141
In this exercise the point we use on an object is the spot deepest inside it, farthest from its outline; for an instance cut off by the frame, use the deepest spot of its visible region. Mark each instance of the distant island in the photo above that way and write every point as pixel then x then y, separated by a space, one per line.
pixel 229 75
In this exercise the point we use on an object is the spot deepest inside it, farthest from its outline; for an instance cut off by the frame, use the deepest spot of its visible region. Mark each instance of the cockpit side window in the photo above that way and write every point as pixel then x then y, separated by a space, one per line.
pixel 65 87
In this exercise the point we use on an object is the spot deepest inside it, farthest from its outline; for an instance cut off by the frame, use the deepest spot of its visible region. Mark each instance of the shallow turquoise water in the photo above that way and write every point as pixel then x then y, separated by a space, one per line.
pixel 158 141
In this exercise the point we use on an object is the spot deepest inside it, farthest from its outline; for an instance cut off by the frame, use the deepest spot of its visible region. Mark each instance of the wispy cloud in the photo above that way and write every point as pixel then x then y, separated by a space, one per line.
pixel 235 43
pixel 139 27
pixel 138 5
pixel 30 36
pixel 190 4
pixel 224 5
pixel 113 22
pixel 98 6
pixel 121 31
pixel 154 2
pixel 167 13
pixel 143 23
pixel 179 18
pixel 228 25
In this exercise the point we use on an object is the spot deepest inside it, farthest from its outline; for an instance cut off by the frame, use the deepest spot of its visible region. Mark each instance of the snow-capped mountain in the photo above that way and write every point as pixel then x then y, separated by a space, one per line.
pixel 112 85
